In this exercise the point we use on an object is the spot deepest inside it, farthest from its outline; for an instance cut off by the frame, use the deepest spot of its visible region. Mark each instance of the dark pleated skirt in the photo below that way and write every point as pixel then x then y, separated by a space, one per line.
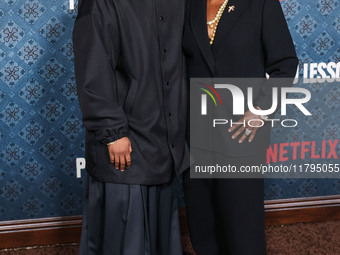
pixel 124 219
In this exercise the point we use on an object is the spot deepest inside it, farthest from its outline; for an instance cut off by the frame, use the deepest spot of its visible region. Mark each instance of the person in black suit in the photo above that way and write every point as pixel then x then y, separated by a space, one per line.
pixel 235 39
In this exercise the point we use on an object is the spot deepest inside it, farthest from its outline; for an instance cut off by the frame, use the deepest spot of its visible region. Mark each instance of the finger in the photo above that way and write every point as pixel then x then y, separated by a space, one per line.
pixel 112 158
pixel 111 155
pixel 128 160
pixel 234 126
pixel 238 132
pixel 243 137
pixel 122 163
pixel 117 162
pixel 252 135
pixel 130 148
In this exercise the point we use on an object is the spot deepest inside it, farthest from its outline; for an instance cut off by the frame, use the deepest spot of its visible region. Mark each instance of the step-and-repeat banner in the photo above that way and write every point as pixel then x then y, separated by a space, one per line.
pixel 41 134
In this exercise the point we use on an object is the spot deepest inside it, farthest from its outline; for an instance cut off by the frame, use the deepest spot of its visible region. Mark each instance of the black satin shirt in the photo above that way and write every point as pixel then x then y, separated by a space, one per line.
pixel 130 79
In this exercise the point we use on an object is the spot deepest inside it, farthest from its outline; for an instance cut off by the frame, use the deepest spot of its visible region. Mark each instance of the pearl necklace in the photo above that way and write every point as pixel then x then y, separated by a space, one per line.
pixel 216 20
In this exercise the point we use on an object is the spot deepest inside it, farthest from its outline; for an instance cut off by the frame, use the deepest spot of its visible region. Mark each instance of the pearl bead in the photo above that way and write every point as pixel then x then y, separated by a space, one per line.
pixel 216 20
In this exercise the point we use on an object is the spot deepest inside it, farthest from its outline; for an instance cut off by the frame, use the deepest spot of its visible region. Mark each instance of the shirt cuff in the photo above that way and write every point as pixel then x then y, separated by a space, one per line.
pixel 109 135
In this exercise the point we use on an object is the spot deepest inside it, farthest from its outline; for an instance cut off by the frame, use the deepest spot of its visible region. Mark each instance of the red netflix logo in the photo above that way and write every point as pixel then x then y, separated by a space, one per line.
pixel 279 152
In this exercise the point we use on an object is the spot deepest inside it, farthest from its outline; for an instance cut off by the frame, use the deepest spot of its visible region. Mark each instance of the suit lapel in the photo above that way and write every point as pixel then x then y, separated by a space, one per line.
pixel 227 22
pixel 199 28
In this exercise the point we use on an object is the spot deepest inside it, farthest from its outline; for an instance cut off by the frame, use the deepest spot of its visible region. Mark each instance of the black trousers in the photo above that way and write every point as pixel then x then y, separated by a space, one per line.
pixel 225 216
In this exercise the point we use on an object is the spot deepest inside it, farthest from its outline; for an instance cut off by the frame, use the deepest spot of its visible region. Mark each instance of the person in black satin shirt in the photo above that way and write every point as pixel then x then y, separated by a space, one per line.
pixel 129 69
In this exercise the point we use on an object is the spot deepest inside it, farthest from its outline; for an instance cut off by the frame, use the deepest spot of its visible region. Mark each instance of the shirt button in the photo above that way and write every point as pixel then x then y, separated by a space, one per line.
pixel 161 18
pixel 169 114
pixel 164 50
pixel 167 83
pixel 172 146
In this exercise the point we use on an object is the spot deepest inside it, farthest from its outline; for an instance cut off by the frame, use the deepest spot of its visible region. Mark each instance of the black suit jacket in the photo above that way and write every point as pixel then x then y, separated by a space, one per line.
pixel 129 68
pixel 250 41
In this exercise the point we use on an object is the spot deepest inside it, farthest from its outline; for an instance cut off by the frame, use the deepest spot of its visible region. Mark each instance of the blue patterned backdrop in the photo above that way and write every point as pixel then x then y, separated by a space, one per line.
pixel 315 28
pixel 40 128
